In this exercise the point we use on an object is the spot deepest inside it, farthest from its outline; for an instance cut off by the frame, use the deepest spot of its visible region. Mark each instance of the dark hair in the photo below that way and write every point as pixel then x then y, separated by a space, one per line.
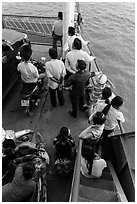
pixel 116 102
pixel 25 51
pixel 63 145
pixel 71 30
pixel 8 143
pixel 99 118
pixel 28 170
pixel 77 44
pixel 53 53
pixel 106 93
pixel 60 15
pixel 81 64
pixel 64 132
pixel 88 154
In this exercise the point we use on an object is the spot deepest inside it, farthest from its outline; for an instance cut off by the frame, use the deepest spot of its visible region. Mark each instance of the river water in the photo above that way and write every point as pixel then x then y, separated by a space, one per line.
pixel 110 28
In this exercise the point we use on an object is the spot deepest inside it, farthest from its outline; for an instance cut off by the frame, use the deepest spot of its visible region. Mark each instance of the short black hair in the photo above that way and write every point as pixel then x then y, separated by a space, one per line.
pixel 81 64
pixel 60 15
pixel 64 131
pixel 53 53
pixel 106 93
pixel 99 118
pixel 77 44
pixel 25 51
pixel 71 30
pixel 117 101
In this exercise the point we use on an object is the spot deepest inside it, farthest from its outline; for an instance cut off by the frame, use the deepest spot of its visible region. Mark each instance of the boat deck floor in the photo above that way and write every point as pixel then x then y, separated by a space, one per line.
pixel 47 121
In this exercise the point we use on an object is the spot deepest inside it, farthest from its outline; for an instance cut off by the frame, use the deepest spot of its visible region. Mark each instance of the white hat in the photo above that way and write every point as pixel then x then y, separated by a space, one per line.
pixel 102 78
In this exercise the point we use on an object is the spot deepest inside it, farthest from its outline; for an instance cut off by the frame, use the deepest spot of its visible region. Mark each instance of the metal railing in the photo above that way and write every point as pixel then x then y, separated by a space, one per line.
pixel 74 194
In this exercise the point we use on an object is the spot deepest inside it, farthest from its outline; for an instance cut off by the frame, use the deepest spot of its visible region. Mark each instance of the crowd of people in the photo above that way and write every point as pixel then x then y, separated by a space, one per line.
pixel 89 91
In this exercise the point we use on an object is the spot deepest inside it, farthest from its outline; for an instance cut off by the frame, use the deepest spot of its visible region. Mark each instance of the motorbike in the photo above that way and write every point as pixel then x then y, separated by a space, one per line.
pixel 28 146
pixel 30 96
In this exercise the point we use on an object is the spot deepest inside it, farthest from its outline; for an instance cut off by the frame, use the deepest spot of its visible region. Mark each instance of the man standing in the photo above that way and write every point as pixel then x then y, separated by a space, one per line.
pixel 75 54
pixel 56 71
pixel 78 81
pixel 57 30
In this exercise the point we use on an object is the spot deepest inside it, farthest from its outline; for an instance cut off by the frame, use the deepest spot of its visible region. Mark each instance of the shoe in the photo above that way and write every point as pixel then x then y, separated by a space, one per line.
pixel 72 114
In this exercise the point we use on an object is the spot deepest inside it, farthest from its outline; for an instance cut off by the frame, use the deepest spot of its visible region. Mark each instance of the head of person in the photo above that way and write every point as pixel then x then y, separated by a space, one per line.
pixel 99 118
pixel 64 131
pixel 25 52
pixel 60 15
pixel 106 93
pixel 81 65
pixel 101 79
pixel 28 170
pixel 88 154
pixel 53 53
pixel 117 102
pixel 77 44
pixel 71 31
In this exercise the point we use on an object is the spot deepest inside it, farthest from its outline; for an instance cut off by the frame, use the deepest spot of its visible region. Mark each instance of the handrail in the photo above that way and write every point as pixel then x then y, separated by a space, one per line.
pixel 27 16
pixel 76 176
pixel 121 127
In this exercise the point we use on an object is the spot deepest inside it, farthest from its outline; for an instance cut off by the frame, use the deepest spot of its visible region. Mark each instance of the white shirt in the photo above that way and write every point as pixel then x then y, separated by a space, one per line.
pixel 73 56
pixel 70 40
pixel 99 106
pixel 97 167
pixel 58 27
pixel 55 68
pixel 111 118
pixel 93 132
pixel 29 73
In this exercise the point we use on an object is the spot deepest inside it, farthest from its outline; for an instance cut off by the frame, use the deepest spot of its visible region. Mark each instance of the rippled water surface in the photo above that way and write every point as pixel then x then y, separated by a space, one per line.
pixel 110 28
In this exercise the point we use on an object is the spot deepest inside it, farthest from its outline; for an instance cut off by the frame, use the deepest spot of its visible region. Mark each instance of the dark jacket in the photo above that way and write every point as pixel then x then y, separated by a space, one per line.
pixel 78 81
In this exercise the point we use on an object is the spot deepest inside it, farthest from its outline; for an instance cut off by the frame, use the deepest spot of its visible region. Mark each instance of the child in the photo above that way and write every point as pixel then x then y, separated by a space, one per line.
pixel 91 163
pixel 95 130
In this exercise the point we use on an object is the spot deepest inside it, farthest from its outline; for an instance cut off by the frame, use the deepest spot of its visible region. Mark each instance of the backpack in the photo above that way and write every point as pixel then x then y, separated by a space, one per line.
pixel 64 167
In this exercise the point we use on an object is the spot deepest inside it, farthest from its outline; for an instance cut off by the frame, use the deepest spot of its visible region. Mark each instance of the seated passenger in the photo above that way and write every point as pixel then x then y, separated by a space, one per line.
pixel 29 73
pixel 95 130
pixel 22 185
pixel 65 155
pixel 92 164
pixel 64 143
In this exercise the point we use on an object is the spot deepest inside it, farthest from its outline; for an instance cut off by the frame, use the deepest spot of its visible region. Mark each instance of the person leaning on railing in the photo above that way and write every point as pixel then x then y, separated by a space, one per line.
pixel 57 30
pixel 113 115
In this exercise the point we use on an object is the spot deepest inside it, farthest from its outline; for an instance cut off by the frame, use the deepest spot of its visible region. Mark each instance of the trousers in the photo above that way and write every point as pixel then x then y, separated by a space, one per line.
pixel 75 101
pixel 56 38
pixel 54 93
